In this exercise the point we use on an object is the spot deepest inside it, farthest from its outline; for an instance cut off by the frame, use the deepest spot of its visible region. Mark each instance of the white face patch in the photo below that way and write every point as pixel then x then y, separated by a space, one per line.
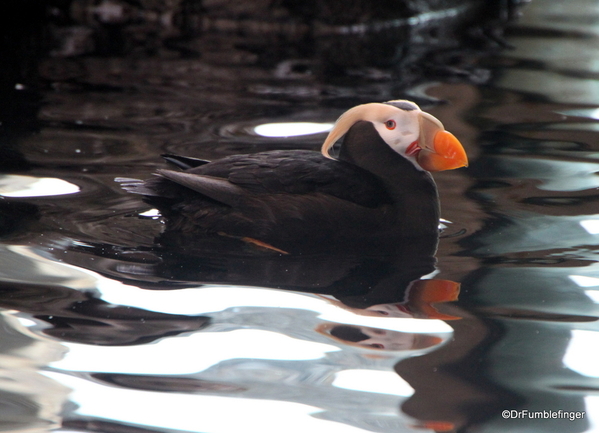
pixel 404 134
pixel 404 130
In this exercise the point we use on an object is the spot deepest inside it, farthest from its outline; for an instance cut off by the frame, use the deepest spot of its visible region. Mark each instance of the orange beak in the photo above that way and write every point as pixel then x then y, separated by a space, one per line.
pixel 441 150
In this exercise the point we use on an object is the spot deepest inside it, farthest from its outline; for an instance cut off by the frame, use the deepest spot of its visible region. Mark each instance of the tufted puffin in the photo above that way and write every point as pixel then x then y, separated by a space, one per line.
pixel 375 195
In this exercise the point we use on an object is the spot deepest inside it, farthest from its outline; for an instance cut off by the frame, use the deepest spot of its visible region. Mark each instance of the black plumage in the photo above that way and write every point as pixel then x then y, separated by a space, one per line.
pixel 371 199
pixel 291 172
pixel 298 199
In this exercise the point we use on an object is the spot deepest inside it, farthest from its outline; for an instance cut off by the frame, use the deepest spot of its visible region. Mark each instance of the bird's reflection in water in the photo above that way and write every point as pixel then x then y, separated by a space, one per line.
pixel 376 338
pixel 389 286
pixel 376 285
pixel 380 286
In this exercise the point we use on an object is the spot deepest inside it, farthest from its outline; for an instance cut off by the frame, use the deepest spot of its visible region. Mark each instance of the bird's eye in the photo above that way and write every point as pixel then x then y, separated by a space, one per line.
pixel 390 124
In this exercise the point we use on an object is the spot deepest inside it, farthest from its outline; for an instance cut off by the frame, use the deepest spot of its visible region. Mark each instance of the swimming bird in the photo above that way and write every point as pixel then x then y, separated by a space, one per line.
pixel 375 195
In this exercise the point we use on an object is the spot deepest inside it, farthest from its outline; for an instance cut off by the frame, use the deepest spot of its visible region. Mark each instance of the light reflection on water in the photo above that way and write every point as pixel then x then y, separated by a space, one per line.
pixel 187 412
pixel 259 344
pixel 30 400
pixel 577 357
pixel 27 186
pixel 290 129
pixel 93 333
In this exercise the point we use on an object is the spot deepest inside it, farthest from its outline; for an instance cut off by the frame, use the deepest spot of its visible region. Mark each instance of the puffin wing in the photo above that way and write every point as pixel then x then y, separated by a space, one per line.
pixel 292 173
pixel 289 172
pixel 276 198
pixel 216 188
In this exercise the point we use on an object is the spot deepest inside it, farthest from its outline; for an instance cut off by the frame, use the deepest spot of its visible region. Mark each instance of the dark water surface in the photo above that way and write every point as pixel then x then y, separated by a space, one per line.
pixel 103 330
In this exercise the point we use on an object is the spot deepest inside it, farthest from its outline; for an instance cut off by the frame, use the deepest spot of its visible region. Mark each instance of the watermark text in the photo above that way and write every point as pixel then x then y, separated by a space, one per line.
pixel 542 414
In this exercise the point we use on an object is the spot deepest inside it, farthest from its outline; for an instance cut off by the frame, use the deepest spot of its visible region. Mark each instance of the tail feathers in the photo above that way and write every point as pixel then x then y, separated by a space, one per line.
pixel 184 162
pixel 136 186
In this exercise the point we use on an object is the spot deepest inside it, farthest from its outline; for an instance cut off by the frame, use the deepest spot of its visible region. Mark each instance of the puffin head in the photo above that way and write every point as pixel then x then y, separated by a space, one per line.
pixel 409 131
